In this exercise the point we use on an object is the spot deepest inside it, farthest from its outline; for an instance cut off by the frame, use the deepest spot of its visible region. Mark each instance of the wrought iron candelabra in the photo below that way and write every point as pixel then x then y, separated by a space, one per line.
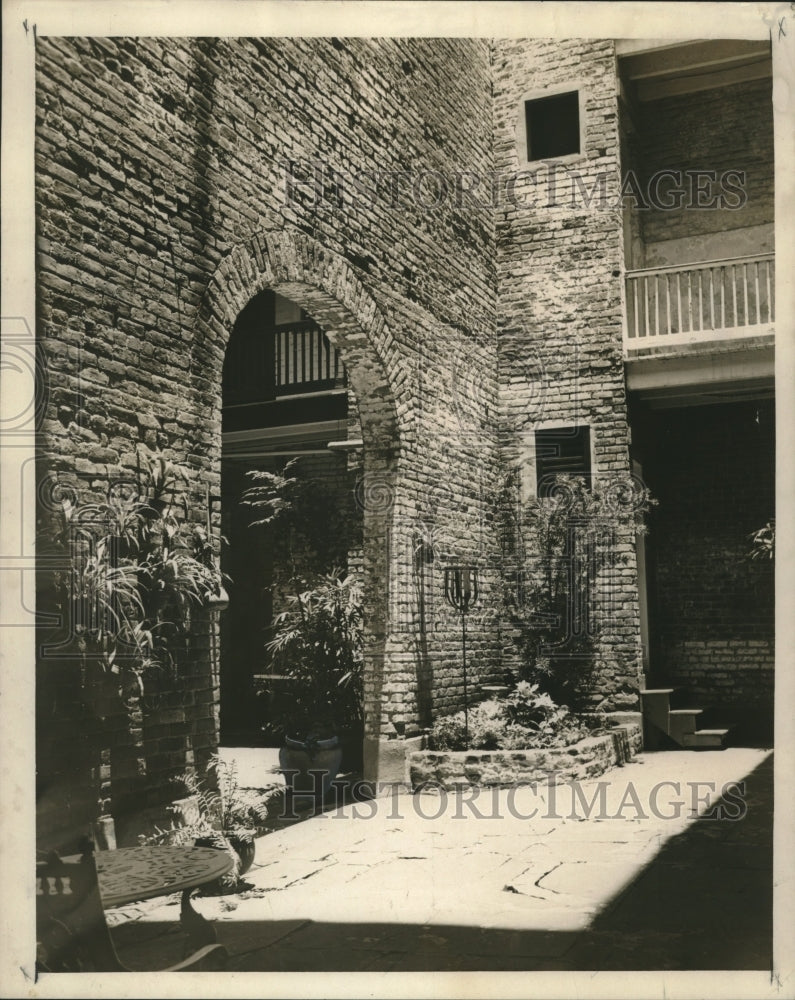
pixel 461 593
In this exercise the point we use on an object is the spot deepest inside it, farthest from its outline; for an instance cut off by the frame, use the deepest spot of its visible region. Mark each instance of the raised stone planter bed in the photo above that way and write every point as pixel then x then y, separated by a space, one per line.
pixel 592 756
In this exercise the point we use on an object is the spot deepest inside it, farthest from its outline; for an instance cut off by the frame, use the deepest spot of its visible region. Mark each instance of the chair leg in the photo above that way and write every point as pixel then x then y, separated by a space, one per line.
pixel 63 950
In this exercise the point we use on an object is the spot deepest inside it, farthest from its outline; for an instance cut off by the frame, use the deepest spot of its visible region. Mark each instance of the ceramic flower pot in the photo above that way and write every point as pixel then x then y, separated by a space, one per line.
pixel 310 765
pixel 219 841
pixel 245 847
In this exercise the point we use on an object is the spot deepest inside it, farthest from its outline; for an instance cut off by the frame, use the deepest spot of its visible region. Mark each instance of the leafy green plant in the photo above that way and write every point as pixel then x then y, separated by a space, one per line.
pixel 556 548
pixel 525 718
pixel 224 815
pixel 317 635
pixel 763 541
pixel 308 536
pixel 135 575
pixel 318 643
pixel 221 805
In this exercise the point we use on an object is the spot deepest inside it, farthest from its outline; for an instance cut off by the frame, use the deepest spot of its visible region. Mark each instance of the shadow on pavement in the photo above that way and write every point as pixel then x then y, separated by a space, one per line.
pixel 704 902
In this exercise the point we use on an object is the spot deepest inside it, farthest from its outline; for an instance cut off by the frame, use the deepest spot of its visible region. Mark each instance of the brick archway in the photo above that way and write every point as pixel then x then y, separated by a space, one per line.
pixel 297 267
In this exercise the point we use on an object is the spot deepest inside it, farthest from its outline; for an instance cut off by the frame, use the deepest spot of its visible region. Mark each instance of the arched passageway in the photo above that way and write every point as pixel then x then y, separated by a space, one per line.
pixel 296 270
pixel 286 413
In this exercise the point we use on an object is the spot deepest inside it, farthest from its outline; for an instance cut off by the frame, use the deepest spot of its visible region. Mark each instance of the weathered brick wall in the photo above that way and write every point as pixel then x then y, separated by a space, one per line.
pixel 725 129
pixel 559 256
pixel 159 177
pixel 378 184
pixel 712 607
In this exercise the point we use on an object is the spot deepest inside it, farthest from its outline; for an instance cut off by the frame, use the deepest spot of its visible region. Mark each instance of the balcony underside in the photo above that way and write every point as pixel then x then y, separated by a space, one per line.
pixel 719 372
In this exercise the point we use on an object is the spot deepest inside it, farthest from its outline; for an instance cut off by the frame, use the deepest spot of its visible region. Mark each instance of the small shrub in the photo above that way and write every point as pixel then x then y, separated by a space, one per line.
pixel 490 725
pixel 526 718
pixel 448 733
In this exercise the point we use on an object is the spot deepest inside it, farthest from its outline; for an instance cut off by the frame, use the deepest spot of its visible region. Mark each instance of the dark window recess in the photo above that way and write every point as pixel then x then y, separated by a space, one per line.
pixel 553 126
pixel 562 451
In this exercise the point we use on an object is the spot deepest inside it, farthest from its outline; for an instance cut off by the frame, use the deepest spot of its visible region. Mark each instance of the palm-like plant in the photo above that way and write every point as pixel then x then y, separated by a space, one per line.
pixel 318 643
pixel 134 577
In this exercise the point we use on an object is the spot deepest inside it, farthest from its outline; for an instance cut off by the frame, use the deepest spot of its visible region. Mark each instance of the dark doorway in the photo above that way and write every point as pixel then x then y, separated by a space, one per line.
pixel 284 397
pixel 711 604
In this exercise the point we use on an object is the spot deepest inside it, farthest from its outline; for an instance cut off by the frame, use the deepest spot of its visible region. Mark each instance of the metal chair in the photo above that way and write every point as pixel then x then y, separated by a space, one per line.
pixel 72 934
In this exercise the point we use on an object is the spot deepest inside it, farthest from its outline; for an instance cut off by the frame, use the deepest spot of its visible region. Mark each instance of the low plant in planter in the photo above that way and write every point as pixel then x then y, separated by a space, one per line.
pixel 525 718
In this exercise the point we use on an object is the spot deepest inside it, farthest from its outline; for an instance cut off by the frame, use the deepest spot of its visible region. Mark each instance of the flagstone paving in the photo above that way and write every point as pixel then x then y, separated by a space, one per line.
pixel 427 882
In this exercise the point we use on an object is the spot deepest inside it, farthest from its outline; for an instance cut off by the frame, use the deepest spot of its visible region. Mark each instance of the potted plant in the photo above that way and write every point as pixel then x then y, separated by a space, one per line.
pixel 130 580
pixel 217 815
pixel 317 644
pixel 317 636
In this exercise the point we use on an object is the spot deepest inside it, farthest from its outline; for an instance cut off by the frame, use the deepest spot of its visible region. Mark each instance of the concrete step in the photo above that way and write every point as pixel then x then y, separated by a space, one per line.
pixel 682 722
pixel 656 704
pixel 703 739
pixel 677 724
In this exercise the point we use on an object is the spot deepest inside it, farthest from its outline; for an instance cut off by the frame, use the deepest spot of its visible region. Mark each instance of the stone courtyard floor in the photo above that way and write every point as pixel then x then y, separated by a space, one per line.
pixel 614 874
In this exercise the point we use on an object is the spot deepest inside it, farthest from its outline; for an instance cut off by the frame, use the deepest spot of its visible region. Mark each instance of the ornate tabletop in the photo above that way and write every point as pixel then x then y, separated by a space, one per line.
pixel 134 873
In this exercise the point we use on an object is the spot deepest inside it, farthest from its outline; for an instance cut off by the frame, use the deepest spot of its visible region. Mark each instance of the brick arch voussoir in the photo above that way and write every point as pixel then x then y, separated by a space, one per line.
pixel 294 263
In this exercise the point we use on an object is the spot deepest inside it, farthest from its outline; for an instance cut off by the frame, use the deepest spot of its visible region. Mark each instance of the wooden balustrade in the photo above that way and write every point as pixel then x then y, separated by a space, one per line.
pixel 694 303
pixel 304 358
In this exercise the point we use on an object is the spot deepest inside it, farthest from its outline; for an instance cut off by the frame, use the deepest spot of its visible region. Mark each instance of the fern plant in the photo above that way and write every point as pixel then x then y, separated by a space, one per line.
pixel 222 817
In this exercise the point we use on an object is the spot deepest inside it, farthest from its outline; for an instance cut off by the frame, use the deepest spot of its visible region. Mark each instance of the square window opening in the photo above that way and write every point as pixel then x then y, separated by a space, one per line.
pixel 562 451
pixel 553 125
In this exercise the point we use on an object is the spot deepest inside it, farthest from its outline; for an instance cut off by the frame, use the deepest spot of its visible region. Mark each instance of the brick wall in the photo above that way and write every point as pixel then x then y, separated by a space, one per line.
pixel 163 207
pixel 380 185
pixel 728 128
pixel 711 607
pixel 559 256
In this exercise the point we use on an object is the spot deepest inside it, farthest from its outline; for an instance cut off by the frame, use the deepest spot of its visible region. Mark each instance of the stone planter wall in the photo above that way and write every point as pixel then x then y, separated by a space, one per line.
pixel 451 769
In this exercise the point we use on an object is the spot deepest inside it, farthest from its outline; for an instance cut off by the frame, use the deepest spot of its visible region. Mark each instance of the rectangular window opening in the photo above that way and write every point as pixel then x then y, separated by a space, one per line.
pixel 553 125
pixel 562 451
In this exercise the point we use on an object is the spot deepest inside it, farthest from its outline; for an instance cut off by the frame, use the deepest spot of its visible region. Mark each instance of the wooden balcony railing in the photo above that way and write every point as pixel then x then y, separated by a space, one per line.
pixel 304 359
pixel 694 303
